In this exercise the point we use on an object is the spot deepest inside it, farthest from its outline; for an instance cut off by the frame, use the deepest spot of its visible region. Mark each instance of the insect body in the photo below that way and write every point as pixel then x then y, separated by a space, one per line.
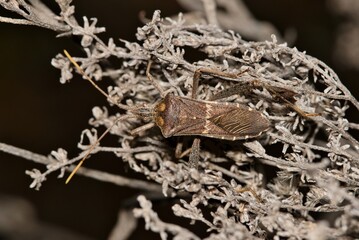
pixel 180 116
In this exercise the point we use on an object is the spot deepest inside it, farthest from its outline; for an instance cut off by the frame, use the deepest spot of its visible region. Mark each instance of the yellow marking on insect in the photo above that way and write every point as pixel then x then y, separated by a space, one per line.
pixel 207 126
pixel 208 111
pixel 161 107
pixel 159 121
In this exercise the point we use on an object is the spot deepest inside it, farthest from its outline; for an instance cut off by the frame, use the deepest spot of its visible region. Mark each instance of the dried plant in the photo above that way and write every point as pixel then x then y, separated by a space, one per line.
pixel 317 163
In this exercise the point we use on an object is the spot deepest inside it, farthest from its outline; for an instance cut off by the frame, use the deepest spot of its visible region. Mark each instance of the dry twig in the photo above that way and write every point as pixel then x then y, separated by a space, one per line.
pixel 317 152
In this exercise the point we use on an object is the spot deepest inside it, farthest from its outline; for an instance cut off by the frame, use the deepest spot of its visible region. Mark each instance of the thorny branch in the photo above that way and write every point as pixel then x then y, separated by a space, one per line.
pixel 316 171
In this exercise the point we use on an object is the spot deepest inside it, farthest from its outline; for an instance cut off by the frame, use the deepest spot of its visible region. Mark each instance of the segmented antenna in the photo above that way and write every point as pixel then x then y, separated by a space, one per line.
pixel 142 111
pixel 124 107
pixel 90 150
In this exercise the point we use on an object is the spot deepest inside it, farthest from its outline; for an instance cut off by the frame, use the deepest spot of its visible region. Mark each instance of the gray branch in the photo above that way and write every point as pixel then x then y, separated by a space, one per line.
pixel 308 145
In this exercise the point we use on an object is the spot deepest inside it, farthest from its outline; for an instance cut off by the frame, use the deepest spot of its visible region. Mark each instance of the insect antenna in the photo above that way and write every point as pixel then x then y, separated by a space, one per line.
pixel 82 72
pixel 135 111
pixel 91 149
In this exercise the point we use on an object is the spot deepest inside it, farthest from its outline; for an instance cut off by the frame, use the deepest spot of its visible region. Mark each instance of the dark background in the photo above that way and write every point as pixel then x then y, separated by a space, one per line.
pixel 40 114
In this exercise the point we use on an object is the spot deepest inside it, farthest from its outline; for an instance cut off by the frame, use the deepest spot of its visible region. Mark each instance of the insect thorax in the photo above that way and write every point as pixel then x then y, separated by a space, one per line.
pixel 166 114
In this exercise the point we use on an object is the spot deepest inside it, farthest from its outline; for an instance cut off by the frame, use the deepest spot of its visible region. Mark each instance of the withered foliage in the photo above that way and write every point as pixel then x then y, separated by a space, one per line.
pixel 315 158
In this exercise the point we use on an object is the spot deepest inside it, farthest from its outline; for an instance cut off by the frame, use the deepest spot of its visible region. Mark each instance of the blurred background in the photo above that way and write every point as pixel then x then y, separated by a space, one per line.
pixel 40 114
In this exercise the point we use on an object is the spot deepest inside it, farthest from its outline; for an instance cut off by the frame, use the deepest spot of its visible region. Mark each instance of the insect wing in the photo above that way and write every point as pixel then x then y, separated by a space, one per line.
pixel 231 121
pixel 241 123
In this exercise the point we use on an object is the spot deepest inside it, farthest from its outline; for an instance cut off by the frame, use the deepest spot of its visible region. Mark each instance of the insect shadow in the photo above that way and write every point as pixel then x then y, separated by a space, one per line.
pixel 184 116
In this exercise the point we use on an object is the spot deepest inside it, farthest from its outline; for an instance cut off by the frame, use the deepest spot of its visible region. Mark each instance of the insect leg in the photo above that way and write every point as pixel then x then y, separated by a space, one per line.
pixel 287 96
pixel 209 71
pixel 154 83
pixel 279 94
pixel 179 153
pixel 242 88
pixel 248 189
pixel 142 128
pixel 194 155
pixel 283 95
